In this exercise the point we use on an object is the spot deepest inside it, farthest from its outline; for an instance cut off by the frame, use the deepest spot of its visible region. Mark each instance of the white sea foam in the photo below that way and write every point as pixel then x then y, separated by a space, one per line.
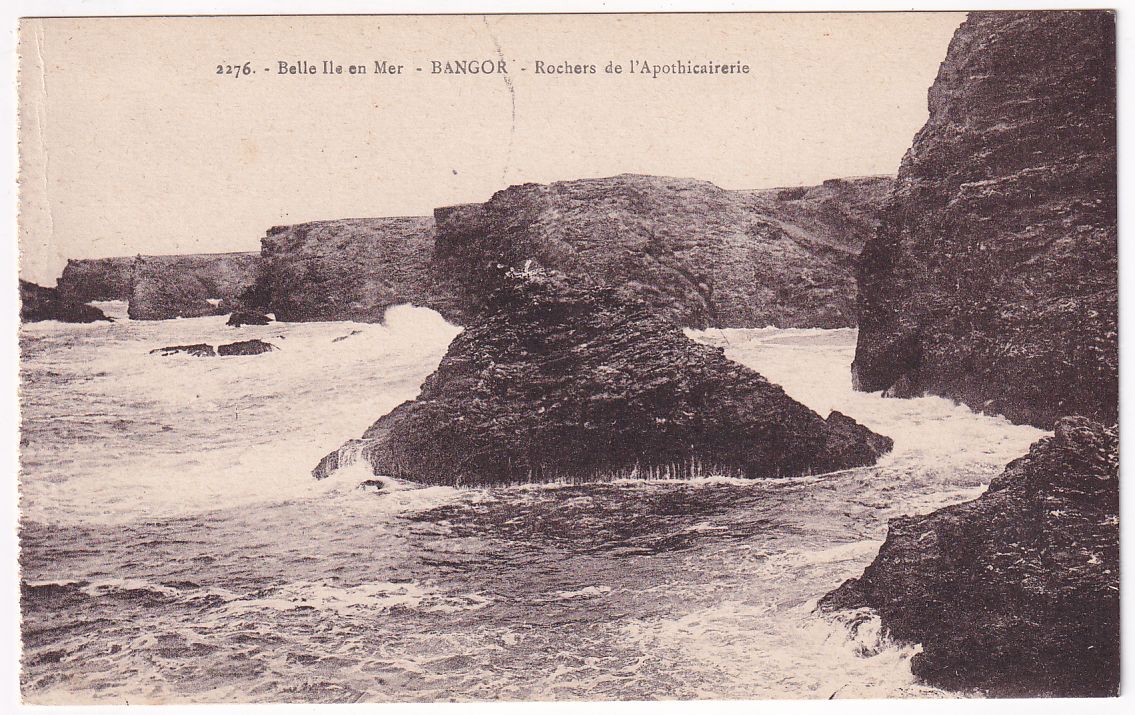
pixel 319 591
pixel 181 434
pixel 586 592
pixel 814 367
pixel 370 597
pixel 114 309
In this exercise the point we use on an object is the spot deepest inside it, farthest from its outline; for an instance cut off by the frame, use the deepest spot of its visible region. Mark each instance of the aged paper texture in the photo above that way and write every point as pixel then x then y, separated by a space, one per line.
pixel 568 357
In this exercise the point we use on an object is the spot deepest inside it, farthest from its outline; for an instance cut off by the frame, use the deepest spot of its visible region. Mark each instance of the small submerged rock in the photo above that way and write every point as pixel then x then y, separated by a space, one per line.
pixel 246 347
pixel 372 485
pixel 196 350
pixel 243 317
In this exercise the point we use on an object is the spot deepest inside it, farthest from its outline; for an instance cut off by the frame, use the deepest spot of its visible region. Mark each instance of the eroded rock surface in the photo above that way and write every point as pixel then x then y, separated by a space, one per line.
pixel 40 303
pixel 992 278
pixel 558 381
pixel 1017 592
pixel 88 279
pixel 349 269
pixel 190 286
pixel 700 255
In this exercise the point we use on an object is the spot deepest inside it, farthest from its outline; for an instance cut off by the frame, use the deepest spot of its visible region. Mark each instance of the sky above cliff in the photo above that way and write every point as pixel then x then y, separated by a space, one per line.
pixel 131 142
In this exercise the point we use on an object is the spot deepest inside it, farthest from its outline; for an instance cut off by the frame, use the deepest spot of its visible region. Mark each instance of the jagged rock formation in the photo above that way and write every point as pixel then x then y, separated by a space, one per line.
pixel 699 254
pixel 40 303
pixel 992 279
pixel 246 347
pixel 88 279
pixel 189 286
pixel 559 381
pixel 350 269
pixel 243 347
pixel 1017 592
pixel 839 212
pixel 196 350
pixel 242 317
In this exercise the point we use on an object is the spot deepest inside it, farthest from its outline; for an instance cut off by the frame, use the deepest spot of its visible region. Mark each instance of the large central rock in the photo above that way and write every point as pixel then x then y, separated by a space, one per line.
pixel 557 381
pixel 992 278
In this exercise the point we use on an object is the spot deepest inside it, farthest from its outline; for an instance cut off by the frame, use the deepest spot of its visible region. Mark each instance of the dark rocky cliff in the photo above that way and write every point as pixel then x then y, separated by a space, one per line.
pixel 992 279
pixel 699 254
pixel 349 269
pixel 90 279
pixel 1017 592
pixel 560 381
pixel 192 285
pixel 840 212
pixel 40 303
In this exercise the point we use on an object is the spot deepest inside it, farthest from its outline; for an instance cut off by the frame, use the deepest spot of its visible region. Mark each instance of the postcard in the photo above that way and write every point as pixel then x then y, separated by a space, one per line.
pixel 568 357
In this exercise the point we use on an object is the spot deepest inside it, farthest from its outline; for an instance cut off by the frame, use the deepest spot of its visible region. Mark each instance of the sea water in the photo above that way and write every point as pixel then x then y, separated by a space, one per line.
pixel 175 548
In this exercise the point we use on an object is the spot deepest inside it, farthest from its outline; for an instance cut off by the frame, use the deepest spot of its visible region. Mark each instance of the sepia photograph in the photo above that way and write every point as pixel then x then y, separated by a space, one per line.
pixel 670 356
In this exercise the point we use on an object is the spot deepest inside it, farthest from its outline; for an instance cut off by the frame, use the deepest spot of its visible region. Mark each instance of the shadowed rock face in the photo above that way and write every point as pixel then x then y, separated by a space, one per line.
pixel 240 318
pixel 350 269
pixel 559 381
pixel 196 350
pixel 1016 592
pixel 701 255
pixel 992 278
pixel 246 347
pixel 190 286
pixel 39 303
pixel 88 279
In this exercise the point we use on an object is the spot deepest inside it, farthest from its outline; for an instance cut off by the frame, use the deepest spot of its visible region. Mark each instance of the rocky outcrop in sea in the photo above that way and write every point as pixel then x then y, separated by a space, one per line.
pixel 561 381
pixel 190 286
pixel 992 278
pixel 240 318
pixel 703 256
pixel 700 255
pixel 1015 593
pixel 39 303
pixel 196 350
pixel 349 269
pixel 242 347
pixel 246 347
pixel 88 279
